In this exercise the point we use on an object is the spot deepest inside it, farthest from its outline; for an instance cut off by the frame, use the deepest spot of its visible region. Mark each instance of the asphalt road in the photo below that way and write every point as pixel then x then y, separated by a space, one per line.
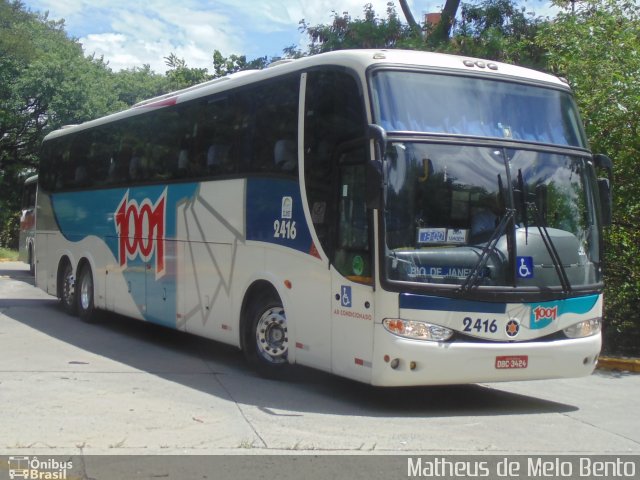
pixel 124 387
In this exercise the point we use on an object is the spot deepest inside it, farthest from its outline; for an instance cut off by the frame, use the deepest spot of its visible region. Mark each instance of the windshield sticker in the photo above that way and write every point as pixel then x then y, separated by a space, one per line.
pixel 432 235
pixel 525 267
pixel 357 265
pixel 457 236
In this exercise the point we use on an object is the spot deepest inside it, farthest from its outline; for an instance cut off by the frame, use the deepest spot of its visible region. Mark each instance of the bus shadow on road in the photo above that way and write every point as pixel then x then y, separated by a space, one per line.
pixel 220 370
pixel 304 390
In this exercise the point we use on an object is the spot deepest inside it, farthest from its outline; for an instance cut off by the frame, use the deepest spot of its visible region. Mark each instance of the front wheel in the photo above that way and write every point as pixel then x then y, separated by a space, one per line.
pixel 267 339
pixel 85 295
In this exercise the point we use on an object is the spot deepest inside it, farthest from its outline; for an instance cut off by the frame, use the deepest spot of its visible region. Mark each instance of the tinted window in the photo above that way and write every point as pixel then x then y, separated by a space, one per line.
pixel 335 152
pixel 247 131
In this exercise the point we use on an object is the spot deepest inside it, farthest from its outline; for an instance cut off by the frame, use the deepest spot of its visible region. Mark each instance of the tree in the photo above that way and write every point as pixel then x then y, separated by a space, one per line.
pixel 180 76
pixel 227 65
pixel 443 29
pixel 498 30
pixel 597 50
pixel 139 83
pixel 369 32
pixel 45 83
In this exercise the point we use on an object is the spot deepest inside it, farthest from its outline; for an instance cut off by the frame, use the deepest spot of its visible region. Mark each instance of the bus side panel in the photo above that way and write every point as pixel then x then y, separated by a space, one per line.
pixel 305 282
pixel 213 223
pixel 276 218
pixel 47 260
pixel 43 268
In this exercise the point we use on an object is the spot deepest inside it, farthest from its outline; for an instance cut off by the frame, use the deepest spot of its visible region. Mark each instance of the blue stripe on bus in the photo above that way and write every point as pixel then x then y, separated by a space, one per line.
pixel 424 302
pixel 275 214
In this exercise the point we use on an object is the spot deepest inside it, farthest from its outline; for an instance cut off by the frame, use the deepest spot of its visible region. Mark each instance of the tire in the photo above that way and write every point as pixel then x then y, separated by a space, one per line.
pixel 85 295
pixel 32 261
pixel 67 287
pixel 266 345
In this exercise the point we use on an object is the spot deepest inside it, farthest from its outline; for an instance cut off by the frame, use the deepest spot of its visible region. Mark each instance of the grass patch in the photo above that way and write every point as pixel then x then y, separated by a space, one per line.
pixel 7 255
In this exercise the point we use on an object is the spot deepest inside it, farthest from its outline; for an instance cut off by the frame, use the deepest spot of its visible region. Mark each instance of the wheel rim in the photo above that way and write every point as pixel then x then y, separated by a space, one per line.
pixel 67 288
pixel 272 339
pixel 86 291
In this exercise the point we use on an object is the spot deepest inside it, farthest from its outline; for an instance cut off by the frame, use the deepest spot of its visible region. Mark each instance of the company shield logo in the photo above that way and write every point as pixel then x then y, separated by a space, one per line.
pixel 512 328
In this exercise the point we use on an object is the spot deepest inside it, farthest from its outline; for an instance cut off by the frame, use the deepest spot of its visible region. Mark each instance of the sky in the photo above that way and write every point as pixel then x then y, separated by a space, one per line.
pixel 132 33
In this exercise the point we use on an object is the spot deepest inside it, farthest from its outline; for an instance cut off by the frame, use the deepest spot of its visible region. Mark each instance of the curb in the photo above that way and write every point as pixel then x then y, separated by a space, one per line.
pixel 624 364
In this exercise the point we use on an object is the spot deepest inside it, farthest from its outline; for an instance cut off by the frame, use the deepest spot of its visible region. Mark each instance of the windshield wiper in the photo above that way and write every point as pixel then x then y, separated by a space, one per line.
pixel 553 253
pixel 474 276
pixel 523 204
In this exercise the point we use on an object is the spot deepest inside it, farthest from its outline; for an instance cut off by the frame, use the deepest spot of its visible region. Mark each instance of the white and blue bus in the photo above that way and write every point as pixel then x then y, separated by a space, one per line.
pixel 394 217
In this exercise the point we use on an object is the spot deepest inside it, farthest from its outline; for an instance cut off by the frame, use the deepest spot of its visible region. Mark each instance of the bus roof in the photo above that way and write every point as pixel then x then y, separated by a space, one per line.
pixel 359 60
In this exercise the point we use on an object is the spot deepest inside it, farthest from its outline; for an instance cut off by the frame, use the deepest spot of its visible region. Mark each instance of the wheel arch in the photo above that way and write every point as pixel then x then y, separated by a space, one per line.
pixel 82 263
pixel 257 289
pixel 64 260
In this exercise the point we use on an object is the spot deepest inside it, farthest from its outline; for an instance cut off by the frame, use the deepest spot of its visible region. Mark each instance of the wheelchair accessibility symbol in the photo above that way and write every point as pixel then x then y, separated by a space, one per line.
pixel 345 296
pixel 525 267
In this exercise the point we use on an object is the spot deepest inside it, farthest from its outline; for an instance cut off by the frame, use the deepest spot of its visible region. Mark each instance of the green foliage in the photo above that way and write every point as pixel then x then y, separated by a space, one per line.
pixel 227 65
pixel 9 229
pixel 8 255
pixel 139 83
pixel 369 32
pixel 496 30
pixel 180 76
pixel 597 49
pixel 45 82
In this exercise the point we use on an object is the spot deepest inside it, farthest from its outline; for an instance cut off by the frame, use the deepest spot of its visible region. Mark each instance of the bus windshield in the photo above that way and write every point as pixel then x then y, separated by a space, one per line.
pixel 455 105
pixel 446 203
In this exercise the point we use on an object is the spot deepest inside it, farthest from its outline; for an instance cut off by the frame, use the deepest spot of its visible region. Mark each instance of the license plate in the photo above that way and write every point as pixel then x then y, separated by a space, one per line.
pixel 513 361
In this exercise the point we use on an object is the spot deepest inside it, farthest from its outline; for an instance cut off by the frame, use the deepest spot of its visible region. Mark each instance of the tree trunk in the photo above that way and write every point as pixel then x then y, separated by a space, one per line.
pixel 448 16
pixel 409 16
pixel 446 22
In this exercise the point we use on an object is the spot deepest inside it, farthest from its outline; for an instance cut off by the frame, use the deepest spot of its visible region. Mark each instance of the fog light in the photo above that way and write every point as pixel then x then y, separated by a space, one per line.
pixel 586 328
pixel 417 330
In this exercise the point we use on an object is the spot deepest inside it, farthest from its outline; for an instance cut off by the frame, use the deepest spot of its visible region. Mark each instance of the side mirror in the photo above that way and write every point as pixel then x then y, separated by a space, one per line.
pixel 374 172
pixel 603 162
pixel 605 201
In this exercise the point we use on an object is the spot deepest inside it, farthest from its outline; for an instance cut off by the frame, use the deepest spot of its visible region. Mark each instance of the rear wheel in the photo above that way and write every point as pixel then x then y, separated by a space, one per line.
pixel 266 337
pixel 85 295
pixel 67 288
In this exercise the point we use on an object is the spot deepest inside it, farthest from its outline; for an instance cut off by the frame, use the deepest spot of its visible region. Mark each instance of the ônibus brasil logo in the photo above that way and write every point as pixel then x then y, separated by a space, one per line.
pixel 140 230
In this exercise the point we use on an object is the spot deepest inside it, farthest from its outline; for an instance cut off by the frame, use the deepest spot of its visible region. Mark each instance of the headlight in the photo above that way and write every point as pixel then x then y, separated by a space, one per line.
pixel 585 328
pixel 417 330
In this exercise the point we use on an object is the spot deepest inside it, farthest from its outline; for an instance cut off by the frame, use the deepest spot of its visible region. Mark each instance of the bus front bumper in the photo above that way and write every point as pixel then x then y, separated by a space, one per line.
pixel 399 361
